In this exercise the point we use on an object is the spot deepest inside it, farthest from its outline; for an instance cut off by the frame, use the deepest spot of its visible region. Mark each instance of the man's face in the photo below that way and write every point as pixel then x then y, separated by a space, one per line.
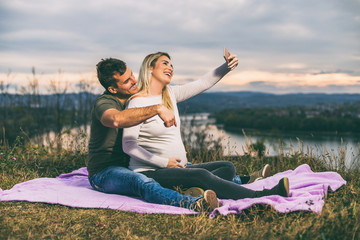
pixel 126 84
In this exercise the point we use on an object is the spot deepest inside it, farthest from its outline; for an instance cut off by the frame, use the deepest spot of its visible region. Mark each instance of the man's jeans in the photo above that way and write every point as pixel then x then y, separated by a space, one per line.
pixel 121 180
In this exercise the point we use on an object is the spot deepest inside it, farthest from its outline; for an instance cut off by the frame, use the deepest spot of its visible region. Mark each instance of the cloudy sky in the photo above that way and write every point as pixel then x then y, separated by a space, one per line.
pixel 283 46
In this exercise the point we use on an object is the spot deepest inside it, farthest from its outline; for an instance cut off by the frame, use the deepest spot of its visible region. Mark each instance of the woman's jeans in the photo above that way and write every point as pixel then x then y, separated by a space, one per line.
pixel 216 176
pixel 121 180
pixel 236 178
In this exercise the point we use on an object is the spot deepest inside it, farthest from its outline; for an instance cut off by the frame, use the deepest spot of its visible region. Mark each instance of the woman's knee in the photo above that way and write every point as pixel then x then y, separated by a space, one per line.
pixel 229 165
pixel 198 174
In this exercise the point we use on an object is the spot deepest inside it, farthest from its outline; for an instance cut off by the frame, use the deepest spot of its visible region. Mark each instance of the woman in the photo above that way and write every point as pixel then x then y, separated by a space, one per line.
pixel 158 152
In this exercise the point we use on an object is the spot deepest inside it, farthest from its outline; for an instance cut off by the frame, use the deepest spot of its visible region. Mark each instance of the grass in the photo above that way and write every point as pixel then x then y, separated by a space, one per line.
pixel 339 219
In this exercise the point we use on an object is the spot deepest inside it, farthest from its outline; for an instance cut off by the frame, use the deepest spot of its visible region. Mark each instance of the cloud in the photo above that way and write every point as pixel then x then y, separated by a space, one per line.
pixel 269 87
pixel 271 38
pixel 285 82
pixel 40 34
pixel 45 41
pixel 36 6
pixel 277 83
pixel 291 78
pixel 292 66
pixel 291 31
pixel 349 72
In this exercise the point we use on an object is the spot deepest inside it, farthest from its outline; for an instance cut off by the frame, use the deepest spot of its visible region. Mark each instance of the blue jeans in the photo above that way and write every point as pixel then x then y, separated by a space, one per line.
pixel 121 180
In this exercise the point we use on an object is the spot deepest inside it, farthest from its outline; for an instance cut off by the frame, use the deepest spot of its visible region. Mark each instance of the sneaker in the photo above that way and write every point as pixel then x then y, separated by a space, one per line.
pixel 193 191
pixel 282 189
pixel 263 173
pixel 207 203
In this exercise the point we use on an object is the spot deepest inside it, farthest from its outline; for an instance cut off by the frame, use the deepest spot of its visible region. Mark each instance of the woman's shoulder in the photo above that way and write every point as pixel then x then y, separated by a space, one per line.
pixel 172 88
pixel 134 101
pixel 138 97
pixel 143 94
pixel 143 100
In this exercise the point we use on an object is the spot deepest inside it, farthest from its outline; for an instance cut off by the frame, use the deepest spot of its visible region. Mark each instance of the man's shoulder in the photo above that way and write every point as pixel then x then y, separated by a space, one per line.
pixel 108 100
pixel 105 97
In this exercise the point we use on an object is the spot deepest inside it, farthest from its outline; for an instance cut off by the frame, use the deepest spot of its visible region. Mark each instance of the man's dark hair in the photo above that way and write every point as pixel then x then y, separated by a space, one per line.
pixel 106 69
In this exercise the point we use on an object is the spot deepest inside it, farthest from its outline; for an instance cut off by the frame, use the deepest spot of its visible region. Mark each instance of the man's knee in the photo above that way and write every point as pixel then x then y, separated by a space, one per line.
pixel 144 181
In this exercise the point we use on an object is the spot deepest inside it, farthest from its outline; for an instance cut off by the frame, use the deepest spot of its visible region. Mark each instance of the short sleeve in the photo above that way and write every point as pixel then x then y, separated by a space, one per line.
pixel 105 103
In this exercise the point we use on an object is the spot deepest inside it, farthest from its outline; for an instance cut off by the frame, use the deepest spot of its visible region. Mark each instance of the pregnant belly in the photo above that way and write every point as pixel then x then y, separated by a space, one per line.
pixel 167 150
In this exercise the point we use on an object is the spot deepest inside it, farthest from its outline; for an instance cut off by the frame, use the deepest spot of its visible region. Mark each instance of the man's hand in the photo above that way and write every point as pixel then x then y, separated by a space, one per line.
pixel 167 116
pixel 174 163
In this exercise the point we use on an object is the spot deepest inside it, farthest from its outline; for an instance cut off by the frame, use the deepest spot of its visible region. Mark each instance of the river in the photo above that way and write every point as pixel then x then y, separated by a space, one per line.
pixel 330 146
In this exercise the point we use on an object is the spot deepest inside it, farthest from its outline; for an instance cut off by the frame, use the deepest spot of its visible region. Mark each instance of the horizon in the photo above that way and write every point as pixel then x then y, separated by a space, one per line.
pixel 18 82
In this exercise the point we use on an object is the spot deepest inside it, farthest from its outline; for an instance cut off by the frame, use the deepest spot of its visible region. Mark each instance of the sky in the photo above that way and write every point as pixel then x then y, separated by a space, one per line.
pixel 283 46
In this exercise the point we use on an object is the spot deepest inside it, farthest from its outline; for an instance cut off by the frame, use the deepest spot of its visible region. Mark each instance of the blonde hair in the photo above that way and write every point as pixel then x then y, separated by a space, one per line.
pixel 145 78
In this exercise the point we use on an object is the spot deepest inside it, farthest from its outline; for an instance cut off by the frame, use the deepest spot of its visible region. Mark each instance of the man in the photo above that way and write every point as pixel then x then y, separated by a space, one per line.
pixel 107 163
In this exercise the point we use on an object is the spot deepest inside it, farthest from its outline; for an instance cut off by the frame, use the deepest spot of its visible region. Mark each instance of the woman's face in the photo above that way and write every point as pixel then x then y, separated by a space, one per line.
pixel 163 70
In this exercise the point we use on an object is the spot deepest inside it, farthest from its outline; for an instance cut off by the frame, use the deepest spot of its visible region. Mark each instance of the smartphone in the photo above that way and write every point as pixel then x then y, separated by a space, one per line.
pixel 226 54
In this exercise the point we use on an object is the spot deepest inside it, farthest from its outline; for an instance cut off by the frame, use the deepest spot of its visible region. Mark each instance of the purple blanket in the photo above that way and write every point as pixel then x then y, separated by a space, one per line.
pixel 307 191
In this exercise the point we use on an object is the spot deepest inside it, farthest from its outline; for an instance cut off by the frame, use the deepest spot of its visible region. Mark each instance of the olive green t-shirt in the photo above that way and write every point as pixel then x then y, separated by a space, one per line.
pixel 105 146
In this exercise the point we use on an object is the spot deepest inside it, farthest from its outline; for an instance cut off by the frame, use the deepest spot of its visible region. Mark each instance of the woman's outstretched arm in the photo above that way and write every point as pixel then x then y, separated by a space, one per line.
pixel 186 91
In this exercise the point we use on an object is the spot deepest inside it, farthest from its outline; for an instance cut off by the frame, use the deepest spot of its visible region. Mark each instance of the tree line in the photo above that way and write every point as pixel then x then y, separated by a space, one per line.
pixel 31 114
pixel 320 118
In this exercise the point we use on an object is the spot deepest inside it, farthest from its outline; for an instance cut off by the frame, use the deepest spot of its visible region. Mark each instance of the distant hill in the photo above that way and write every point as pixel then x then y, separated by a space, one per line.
pixel 216 101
